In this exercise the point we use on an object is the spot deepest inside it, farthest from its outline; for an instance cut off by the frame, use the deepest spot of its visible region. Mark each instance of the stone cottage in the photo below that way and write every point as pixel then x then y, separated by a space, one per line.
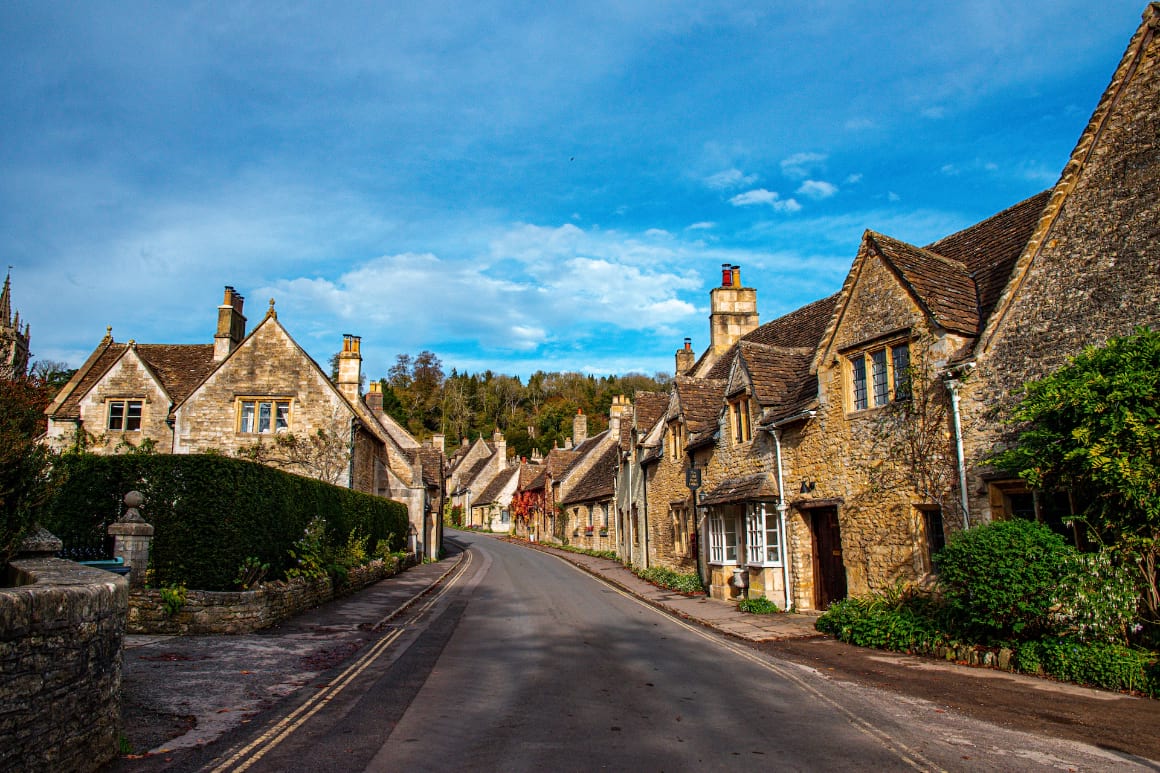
pixel 256 395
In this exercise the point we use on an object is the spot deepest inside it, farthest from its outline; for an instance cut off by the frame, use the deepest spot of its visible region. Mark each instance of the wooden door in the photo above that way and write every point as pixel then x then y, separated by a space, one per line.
pixel 829 570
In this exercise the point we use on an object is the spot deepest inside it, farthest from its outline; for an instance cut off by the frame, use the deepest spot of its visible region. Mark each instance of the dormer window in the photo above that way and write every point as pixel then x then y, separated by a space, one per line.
pixel 676 439
pixel 739 419
pixel 878 376
pixel 125 415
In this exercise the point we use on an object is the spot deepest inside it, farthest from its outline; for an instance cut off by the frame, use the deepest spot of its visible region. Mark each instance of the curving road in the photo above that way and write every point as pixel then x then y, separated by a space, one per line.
pixel 521 662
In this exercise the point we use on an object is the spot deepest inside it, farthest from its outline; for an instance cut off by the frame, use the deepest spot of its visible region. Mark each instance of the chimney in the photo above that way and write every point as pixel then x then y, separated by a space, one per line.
pixel 500 444
pixel 350 367
pixel 231 325
pixel 621 409
pixel 685 358
pixel 567 444
pixel 375 398
pixel 439 442
pixel 579 427
pixel 734 310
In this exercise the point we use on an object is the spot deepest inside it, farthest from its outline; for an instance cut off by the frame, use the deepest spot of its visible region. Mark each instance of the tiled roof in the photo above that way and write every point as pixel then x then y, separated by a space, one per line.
pixel 699 400
pixel 432 459
pixel 759 486
pixel 584 449
pixel 649 408
pixel 990 248
pixel 781 377
pixel 597 482
pixel 942 285
pixel 490 495
pixel 178 367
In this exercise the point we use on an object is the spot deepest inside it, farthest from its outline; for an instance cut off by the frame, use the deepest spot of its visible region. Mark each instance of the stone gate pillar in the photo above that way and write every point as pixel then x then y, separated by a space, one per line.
pixel 132 538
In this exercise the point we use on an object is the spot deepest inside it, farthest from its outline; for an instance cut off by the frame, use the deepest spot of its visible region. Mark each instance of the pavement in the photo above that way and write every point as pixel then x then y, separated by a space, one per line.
pixel 185 691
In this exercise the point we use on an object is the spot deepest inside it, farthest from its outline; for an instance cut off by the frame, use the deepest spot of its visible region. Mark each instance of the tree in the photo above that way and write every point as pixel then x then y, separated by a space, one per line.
pixel 1093 428
pixel 24 463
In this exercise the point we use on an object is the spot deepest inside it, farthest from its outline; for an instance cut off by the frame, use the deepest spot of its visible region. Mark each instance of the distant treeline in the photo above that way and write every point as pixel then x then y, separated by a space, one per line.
pixel 535 415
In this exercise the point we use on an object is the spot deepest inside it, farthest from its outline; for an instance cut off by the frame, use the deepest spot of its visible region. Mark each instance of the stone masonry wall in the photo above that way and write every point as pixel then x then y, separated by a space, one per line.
pixel 665 484
pixel 835 450
pixel 128 378
pixel 208 613
pixel 1097 270
pixel 61 637
pixel 267 364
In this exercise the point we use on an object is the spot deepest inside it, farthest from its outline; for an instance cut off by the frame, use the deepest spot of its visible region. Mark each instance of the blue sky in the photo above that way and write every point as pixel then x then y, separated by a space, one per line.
pixel 513 186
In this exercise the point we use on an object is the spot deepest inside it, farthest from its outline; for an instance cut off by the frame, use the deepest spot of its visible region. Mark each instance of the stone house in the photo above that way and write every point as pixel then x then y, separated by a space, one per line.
pixel 256 395
pixel 647 408
pixel 1089 271
pixel 491 508
pixel 472 469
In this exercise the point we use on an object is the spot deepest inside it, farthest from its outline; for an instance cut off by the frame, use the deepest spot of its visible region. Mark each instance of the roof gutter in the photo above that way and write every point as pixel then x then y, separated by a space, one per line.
pixel 779 423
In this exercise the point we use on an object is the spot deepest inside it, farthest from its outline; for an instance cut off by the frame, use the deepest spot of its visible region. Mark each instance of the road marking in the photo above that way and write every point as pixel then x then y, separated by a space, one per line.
pixel 281 730
pixel 909 756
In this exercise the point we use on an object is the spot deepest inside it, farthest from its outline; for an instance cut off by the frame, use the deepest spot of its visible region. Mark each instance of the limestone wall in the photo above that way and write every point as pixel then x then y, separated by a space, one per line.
pixel 61 637
pixel 207 612
pixel 665 485
pixel 1092 271
pixel 127 379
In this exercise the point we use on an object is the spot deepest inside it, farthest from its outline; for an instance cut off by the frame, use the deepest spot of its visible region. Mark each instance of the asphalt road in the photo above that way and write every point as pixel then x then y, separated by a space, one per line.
pixel 523 663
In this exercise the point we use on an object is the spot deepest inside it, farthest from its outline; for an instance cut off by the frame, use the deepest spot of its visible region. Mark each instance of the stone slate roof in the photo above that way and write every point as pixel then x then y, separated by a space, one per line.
pixel 588 446
pixel 432 461
pixel 178 367
pixel 598 481
pixel 490 495
pixel 749 487
pixel 699 402
pixel 782 383
pixel 649 407
pixel 941 285
pixel 989 249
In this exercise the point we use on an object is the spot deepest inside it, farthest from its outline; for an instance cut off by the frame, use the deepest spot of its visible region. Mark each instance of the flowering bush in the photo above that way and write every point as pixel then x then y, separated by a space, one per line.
pixel 1097 600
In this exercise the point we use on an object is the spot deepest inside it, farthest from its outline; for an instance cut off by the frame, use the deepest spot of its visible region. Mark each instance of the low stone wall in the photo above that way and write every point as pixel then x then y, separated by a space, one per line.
pixel 61 635
pixel 209 612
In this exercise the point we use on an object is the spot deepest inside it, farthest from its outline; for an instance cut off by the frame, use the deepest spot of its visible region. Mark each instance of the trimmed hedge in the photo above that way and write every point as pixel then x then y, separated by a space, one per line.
pixel 211 512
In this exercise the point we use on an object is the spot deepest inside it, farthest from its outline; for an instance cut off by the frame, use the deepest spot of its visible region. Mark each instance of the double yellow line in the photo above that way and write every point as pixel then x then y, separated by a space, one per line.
pixel 267 741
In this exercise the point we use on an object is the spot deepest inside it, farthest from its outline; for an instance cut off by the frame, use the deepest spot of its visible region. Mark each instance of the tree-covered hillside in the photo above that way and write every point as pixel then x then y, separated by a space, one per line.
pixel 537 414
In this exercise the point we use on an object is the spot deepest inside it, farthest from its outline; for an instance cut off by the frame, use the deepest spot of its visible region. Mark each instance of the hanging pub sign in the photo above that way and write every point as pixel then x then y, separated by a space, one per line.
pixel 693 478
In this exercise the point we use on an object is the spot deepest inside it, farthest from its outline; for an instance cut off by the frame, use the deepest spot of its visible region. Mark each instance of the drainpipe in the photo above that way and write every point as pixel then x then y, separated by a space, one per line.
pixel 952 385
pixel 782 507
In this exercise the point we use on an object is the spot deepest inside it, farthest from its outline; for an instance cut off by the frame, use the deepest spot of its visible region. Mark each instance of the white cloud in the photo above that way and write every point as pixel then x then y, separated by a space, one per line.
pixel 802 164
pixel 704 225
pixel 854 179
pixel 763 196
pixel 817 189
pixel 730 178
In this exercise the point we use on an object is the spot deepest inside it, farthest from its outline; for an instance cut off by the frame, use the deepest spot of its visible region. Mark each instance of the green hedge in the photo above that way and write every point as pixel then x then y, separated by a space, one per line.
pixel 211 512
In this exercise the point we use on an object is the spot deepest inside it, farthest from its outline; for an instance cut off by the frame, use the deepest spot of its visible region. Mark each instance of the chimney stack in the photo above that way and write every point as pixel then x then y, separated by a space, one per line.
pixel 231 325
pixel 579 427
pixel 439 442
pixel 350 367
pixel 685 358
pixel 734 310
pixel 375 398
pixel 497 439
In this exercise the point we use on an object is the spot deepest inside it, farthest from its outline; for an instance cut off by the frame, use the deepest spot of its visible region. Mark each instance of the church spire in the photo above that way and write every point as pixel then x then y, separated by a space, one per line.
pixel 6 300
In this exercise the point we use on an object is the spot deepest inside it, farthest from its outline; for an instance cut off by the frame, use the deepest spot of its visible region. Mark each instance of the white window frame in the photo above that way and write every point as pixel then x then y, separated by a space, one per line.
pixel 277 415
pixel 722 552
pixel 763 534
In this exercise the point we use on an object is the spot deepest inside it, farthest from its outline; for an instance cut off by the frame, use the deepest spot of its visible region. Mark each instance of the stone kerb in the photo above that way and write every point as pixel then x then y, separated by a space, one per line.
pixel 61 637
pixel 237 612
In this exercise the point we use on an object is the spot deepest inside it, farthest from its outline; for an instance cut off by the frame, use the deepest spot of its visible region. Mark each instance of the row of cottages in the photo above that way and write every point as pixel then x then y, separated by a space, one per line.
pixel 830 451
pixel 248 395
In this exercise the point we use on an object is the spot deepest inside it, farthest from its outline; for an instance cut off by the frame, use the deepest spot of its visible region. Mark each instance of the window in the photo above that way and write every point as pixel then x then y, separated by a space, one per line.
pixel 125 415
pixel 722 538
pixel 739 414
pixel 263 416
pixel 878 376
pixel 932 524
pixel 676 439
pixel 763 534
pixel 680 523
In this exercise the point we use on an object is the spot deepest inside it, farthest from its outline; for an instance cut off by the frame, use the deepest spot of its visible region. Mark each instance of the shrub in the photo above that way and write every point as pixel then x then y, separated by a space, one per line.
pixel 173 598
pixel 999 580
pixel 251 572
pixel 902 625
pixel 1100 664
pixel 1098 600
pixel 667 578
pixel 758 606
pixel 213 512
